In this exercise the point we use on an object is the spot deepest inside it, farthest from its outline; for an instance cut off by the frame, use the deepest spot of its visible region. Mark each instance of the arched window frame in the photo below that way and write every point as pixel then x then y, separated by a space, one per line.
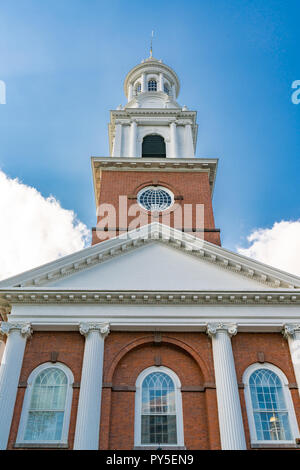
pixel 152 80
pixel 287 397
pixel 138 406
pixel 167 88
pixel 27 399
pixel 137 88
pixel 149 134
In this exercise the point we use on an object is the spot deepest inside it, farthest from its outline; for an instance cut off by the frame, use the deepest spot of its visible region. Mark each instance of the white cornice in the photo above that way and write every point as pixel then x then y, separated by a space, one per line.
pixel 208 165
pixel 50 295
pixel 153 233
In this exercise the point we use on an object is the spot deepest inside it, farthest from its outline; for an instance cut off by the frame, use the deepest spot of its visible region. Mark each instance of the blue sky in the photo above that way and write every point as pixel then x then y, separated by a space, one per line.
pixel 64 62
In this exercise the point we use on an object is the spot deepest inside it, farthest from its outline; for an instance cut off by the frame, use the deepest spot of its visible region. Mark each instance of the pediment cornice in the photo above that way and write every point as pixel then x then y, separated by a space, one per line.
pixel 153 233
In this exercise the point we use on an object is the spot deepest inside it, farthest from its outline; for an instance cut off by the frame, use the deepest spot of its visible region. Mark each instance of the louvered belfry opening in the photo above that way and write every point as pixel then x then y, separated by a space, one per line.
pixel 153 146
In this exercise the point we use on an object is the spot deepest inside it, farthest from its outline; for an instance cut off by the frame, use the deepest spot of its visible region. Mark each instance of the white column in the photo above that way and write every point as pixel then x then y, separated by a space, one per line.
pixel 161 82
pixel 229 407
pixel 89 405
pixel 143 83
pixel 130 92
pixel 189 146
pixel 173 140
pixel 10 369
pixel 118 140
pixel 133 138
pixel 292 333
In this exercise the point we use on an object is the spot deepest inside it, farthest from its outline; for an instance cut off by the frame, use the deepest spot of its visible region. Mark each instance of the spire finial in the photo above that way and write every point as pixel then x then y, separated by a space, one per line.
pixel 152 34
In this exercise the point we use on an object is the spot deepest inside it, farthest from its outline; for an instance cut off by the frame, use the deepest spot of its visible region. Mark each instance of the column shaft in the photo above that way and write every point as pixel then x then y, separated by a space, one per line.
pixel 229 407
pixel 10 370
pixel 89 405
pixel 161 82
pixel 133 139
pixel 292 333
pixel 118 140
pixel 143 83
pixel 173 140
pixel 189 146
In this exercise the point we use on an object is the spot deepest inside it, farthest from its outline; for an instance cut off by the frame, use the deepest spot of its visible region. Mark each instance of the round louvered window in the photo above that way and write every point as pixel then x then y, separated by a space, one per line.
pixel 155 198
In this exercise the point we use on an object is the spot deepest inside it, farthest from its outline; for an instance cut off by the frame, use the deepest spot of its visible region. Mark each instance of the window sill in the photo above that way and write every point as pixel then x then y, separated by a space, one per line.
pixel 31 445
pixel 162 447
pixel 262 445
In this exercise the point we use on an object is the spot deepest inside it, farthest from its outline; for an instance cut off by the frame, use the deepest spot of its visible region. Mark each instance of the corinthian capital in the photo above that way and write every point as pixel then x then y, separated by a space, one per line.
pixel 290 329
pixel 214 328
pixel 24 328
pixel 102 328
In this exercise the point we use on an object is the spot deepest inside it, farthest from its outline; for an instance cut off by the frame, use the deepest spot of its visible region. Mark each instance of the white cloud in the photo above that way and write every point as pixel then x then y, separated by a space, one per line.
pixel 278 246
pixel 34 230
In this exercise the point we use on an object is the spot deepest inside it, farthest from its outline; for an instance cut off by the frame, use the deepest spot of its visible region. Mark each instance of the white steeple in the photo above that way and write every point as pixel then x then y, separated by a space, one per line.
pixel 151 89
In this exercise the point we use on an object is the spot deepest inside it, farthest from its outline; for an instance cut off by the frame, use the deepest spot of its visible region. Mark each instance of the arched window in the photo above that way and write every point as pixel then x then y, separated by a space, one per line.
pixel 158 410
pixel 47 405
pixel 153 146
pixel 166 88
pixel 152 85
pixel 269 405
pixel 138 89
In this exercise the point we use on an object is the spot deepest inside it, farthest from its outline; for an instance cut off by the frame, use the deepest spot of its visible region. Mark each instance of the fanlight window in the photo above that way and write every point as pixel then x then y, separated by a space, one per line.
pixel 269 406
pixel 47 404
pixel 158 414
pixel 158 408
pixel 152 85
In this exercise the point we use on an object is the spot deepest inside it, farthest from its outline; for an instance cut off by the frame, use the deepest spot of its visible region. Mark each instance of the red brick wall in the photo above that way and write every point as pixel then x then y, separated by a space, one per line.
pixel 194 187
pixel 189 355
pixel 139 352
pixel 70 347
pixel 246 347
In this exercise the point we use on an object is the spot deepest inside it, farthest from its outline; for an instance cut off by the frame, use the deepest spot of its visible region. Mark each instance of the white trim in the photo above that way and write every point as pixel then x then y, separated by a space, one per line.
pixel 288 400
pixel 178 404
pixel 27 398
pixel 153 233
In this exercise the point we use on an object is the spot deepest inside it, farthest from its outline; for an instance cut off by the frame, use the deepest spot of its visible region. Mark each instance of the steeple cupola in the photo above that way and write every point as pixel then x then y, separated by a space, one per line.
pixel 151 84
pixel 152 123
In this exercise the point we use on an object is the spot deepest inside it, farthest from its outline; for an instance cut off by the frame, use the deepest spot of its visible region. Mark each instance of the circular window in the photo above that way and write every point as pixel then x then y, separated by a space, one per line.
pixel 155 198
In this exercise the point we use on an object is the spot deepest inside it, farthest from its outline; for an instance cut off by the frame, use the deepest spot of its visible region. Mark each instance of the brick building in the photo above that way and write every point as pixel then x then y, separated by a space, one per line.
pixel 155 336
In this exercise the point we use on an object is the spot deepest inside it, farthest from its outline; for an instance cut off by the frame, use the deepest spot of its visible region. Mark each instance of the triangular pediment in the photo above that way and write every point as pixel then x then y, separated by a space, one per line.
pixel 154 257
pixel 156 266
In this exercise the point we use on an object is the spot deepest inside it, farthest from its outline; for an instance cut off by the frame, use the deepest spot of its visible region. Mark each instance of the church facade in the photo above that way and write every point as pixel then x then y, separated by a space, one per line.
pixel 155 336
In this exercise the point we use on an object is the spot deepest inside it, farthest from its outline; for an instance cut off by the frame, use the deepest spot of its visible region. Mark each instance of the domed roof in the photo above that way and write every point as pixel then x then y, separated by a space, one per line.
pixel 151 65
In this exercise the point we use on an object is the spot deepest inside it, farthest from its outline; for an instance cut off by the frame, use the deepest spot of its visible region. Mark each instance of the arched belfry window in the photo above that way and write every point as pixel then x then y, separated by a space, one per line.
pixel 269 405
pixel 166 88
pixel 153 146
pixel 158 408
pixel 138 89
pixel 152 85
pixel 47 405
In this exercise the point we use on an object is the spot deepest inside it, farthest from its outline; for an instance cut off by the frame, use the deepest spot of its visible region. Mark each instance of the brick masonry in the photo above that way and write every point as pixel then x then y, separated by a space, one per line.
pixel 191 188
pixel 189 355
